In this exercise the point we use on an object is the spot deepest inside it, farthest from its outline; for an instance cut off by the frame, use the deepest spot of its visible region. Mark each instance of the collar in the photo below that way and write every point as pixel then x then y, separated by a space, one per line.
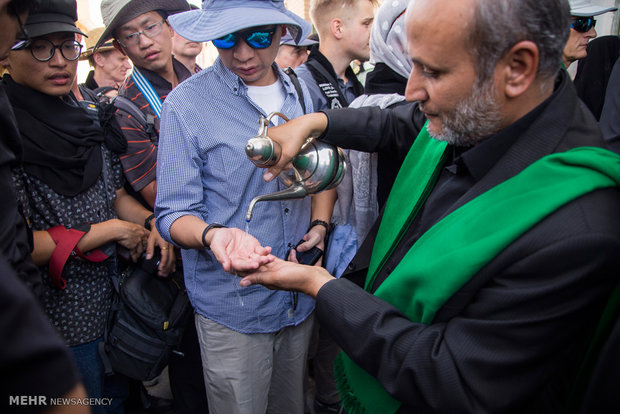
pixel 319 57
pixel 481 158
pixel 159 83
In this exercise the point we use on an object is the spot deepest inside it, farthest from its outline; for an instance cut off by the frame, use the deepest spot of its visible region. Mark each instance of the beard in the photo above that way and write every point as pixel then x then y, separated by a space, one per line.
pixel 473 119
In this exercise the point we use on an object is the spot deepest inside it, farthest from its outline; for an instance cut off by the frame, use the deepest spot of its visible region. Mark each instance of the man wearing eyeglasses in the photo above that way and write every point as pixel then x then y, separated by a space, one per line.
pixel 253 341
pixel 140 30
pixel 582 29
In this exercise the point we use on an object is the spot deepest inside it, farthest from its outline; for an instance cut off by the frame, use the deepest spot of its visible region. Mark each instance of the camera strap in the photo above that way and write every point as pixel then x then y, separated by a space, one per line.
pixel 144 86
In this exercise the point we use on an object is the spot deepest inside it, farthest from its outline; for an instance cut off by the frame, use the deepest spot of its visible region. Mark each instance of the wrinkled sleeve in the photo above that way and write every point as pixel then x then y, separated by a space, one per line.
pixel 372 129
pixel 499 350
pixel 179 180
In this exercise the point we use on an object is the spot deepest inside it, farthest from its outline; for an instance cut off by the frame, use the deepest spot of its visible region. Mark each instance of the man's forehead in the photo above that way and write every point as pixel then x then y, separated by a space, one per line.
pixel 437 36
pixel 438 20
pixel 140 20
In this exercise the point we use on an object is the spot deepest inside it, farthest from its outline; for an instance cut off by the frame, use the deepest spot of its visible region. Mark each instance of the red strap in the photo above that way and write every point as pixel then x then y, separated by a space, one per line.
pixel 66 240
pixel 95 256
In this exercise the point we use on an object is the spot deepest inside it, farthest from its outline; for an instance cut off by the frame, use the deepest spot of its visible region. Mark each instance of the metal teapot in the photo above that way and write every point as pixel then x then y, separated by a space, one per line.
pixel 318 166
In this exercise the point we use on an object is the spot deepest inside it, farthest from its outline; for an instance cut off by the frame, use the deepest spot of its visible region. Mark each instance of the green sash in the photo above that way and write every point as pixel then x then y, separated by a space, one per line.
pixel 463 242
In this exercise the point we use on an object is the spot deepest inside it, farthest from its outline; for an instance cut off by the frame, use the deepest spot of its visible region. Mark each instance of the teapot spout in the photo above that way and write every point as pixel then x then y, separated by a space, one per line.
pixel 295 191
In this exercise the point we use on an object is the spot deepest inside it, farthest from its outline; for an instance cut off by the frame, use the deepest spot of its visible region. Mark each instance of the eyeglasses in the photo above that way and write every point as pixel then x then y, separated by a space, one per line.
pixel 583 24
pixel 150 31
pixel 43 50
pixel 25 41
pixel 255 38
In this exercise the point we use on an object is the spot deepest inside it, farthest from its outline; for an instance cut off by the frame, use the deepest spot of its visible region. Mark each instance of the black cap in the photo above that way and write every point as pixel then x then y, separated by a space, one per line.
pixel 52 16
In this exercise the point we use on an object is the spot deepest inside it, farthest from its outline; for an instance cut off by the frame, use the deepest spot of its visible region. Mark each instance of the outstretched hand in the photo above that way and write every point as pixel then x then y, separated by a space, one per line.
pixel 238 251
pixel 285 275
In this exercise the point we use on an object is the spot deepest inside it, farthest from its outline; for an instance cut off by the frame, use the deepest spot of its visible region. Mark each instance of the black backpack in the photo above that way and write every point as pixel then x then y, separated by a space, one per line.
pixel 146 321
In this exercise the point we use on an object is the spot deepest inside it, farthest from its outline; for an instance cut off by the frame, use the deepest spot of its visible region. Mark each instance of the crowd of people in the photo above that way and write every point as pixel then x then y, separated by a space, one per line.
pixel 469 256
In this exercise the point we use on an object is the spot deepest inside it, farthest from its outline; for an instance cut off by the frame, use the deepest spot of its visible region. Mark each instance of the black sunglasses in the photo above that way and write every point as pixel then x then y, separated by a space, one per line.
pixel 43 50
pixel 255 38
pixel 583 24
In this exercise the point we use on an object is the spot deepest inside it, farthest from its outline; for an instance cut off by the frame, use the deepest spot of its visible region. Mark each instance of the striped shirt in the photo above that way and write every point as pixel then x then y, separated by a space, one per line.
pixel 140 160
pixel 203 171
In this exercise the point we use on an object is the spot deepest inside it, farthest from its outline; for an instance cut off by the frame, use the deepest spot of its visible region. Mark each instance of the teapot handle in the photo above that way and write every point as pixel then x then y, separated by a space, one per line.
pixel 264 122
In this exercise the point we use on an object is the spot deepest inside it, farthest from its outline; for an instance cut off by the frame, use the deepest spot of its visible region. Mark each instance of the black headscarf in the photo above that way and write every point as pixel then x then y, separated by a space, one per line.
pixel 61 142
pixel 383 79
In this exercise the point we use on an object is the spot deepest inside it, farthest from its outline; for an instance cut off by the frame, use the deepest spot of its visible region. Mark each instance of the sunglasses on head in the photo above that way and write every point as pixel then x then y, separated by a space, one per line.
pixel 583 24
pixel 255 38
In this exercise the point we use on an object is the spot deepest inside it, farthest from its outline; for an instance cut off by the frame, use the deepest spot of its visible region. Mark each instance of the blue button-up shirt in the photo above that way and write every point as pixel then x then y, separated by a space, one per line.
pixel 202 170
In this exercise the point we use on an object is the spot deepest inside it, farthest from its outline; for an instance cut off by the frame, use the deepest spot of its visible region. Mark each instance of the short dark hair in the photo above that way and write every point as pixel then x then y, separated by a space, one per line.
pixel 500 24
pixel 91 58
pixel 17 7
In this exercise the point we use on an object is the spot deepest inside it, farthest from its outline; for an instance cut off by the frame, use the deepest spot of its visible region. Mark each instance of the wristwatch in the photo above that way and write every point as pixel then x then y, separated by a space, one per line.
pixel 206 230
pixel 320 223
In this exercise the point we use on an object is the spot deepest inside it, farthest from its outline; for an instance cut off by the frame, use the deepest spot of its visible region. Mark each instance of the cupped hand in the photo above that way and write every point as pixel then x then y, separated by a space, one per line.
pixel 238 251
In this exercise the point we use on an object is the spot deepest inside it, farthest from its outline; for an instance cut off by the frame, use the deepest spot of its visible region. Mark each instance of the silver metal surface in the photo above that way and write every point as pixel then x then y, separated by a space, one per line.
pixel 318 166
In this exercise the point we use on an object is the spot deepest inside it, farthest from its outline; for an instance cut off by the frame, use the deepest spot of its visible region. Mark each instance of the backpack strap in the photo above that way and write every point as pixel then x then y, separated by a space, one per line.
pixel 328 84
pixel 179 309
pixel 146 120
pixel 131 108
pixel 295 80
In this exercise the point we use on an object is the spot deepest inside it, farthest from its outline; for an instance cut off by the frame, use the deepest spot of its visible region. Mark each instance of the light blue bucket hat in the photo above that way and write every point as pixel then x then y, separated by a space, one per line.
pixel 287 39
pixel 221 17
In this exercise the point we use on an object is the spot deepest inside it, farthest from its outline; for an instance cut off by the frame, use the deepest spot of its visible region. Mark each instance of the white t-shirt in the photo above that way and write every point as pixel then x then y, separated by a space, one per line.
pixel 270 98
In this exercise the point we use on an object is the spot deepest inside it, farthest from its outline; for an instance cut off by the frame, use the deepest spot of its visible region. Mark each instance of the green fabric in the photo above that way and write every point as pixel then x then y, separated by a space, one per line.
pixel 459 245
pixel 415 180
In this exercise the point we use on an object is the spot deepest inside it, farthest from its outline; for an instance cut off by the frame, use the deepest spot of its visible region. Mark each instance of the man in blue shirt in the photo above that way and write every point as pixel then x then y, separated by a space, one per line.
pixel 253 341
